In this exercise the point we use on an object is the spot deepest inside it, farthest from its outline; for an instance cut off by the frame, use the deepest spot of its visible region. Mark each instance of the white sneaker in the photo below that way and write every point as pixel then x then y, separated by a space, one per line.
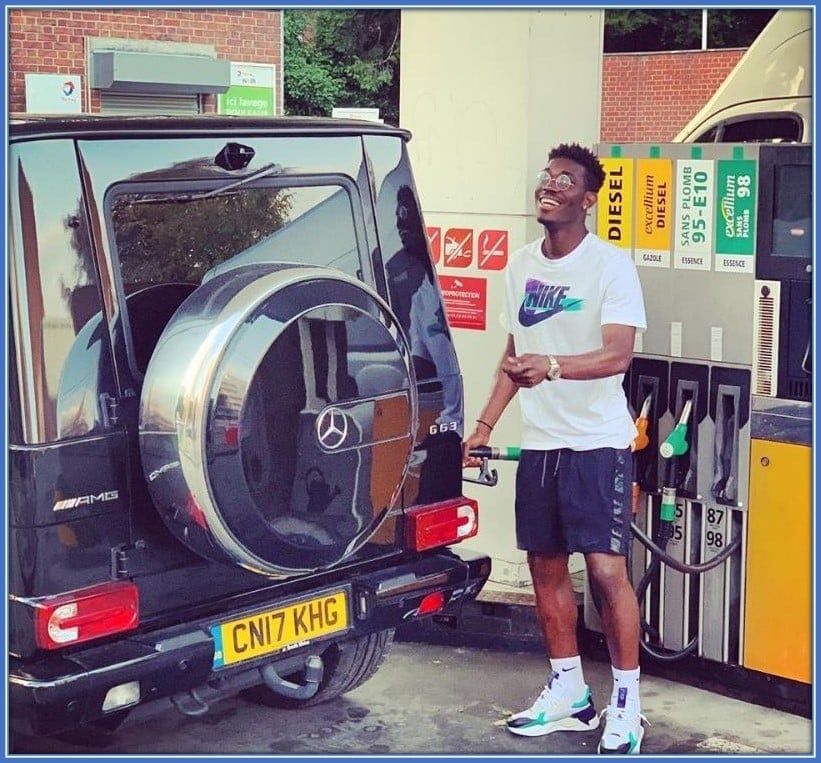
pixel 554 711
pixel 623 732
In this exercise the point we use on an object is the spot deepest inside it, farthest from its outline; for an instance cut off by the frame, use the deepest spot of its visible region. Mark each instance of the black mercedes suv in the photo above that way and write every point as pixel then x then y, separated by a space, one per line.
pixel 234 415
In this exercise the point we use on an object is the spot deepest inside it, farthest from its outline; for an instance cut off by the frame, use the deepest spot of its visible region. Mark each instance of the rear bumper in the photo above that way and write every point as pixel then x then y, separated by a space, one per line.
pixel 58 694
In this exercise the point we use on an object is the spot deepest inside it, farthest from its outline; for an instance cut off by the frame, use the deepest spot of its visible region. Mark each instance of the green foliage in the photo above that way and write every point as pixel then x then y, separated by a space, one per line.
pixel 736 29
pixel 341 58
pixel 628 31
pixel 165 241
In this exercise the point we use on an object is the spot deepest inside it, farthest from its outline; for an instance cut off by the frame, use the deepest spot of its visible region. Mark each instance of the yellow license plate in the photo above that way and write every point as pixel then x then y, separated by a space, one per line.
pixel 278 629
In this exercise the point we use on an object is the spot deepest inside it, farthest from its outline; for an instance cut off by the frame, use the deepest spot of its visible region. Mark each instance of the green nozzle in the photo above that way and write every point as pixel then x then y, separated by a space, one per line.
pixel 498 454
pixel 668 504
pixel 676 443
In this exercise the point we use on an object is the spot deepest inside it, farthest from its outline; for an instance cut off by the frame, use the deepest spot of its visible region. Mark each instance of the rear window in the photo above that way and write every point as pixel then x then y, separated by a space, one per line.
pixel 185 236
pixel 169 240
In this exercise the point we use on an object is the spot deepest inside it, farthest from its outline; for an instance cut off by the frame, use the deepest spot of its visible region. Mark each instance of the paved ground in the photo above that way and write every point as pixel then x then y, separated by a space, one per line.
pixel 445 700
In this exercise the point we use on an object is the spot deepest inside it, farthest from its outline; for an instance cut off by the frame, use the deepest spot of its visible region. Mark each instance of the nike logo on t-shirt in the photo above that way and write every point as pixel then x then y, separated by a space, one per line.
pixel 530 315
pixel 544 300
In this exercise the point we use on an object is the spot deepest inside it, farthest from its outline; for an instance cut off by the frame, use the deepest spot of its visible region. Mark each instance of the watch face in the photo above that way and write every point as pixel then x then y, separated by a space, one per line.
pixel 555 370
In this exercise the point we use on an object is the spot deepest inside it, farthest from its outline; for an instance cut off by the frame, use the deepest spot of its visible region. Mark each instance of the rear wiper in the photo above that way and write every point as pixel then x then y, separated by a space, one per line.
pixel 268 169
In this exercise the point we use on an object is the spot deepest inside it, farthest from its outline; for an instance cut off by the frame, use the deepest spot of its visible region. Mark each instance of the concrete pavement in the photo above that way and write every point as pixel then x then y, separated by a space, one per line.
pixel 440 700
pixel 479 688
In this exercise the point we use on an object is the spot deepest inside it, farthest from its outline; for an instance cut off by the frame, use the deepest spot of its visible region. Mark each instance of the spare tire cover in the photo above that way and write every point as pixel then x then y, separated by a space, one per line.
pixel 277 418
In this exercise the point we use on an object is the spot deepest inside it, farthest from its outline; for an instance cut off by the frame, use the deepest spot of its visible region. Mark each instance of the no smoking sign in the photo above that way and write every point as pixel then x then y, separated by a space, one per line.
pixel 492 249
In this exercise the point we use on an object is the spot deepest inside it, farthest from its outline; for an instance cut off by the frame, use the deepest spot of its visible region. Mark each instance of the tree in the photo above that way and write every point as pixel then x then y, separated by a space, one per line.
pixel 166 237
pixel 341 58
pixel 650 30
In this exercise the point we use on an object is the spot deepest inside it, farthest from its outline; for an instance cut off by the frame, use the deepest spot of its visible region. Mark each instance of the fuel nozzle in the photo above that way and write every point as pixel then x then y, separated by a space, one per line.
pixel 667 516
pixel 668 504
pixel 497 454
pixel 676 443
pixel 488 476
pixel 641 440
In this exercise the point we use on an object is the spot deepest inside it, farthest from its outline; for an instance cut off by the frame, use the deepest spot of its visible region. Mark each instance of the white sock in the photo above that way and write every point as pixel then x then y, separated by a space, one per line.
pixel 626 689
pixel 569 670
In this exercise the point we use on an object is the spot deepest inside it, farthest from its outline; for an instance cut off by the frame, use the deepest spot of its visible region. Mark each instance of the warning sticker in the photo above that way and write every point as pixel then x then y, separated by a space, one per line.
pixel 465 301
pixel 493 249
pixel 458 247
pixel 435 243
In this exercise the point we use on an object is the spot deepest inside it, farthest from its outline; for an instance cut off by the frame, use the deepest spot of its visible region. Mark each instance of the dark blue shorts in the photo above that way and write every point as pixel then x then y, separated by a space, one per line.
pixel 571 500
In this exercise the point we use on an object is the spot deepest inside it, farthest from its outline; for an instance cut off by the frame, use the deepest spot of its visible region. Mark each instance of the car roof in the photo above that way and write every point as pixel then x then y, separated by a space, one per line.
pixel 24 125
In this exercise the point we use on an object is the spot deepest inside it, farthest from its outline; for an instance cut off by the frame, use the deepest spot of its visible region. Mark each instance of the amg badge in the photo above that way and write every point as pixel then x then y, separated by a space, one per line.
pixel 86 500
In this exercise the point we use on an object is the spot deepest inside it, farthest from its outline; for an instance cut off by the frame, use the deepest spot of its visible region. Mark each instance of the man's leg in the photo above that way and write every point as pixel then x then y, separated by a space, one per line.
pixel 556 607
pixel 618 607
pixel 565 703
pixel 594 489
pixel 619 611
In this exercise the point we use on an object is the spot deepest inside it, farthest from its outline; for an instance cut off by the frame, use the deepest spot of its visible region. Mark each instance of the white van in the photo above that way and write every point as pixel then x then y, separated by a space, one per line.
pixel 767 97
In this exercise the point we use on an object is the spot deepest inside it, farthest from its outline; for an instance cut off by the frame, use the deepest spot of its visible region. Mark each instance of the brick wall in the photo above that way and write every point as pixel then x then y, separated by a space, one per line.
pixel 51 41
pixel 645 96
pixel 651 96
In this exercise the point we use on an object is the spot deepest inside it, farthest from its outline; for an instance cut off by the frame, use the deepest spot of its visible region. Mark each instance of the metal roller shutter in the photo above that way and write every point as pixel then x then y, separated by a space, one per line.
pixel 148 103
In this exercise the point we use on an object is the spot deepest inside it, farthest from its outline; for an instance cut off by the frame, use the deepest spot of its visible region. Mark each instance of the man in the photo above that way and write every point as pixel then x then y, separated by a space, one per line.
pixel 574 303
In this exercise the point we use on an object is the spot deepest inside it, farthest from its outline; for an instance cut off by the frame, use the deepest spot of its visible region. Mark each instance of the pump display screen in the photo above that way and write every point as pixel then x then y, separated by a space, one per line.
pixel 792 211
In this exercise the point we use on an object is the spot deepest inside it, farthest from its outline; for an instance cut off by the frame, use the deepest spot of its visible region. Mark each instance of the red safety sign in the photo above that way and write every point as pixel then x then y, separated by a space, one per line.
pixel 435 242
pixel 465 301
pixel 458 247
pixel 492 249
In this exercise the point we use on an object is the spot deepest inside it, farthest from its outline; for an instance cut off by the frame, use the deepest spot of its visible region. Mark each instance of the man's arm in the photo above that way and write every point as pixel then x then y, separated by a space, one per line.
pixel 612 358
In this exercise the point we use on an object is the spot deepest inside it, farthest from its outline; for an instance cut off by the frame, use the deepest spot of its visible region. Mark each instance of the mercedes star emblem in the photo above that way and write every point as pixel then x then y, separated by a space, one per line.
pixel 332 428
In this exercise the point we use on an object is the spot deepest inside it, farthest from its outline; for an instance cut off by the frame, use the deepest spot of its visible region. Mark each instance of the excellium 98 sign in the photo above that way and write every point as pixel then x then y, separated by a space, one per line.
pixel 735 214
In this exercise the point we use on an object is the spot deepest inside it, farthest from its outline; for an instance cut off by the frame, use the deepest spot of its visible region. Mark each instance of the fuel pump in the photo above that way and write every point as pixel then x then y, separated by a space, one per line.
pixel 675 445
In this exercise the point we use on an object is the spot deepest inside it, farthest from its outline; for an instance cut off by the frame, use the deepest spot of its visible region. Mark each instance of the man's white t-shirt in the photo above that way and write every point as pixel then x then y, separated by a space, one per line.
pixel 558 307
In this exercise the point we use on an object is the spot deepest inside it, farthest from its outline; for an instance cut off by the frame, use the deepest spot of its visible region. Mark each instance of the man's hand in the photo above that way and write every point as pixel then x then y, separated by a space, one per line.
pixel 526 370
pixel 480 437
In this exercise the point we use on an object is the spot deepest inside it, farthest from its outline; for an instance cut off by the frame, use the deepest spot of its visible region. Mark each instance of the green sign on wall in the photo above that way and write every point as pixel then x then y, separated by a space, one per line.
pixel 251 93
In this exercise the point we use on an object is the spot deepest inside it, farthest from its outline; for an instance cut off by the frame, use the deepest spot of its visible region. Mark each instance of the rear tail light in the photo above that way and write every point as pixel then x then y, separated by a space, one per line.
pixel 441 524
pixel 86 614
pixel 431 604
